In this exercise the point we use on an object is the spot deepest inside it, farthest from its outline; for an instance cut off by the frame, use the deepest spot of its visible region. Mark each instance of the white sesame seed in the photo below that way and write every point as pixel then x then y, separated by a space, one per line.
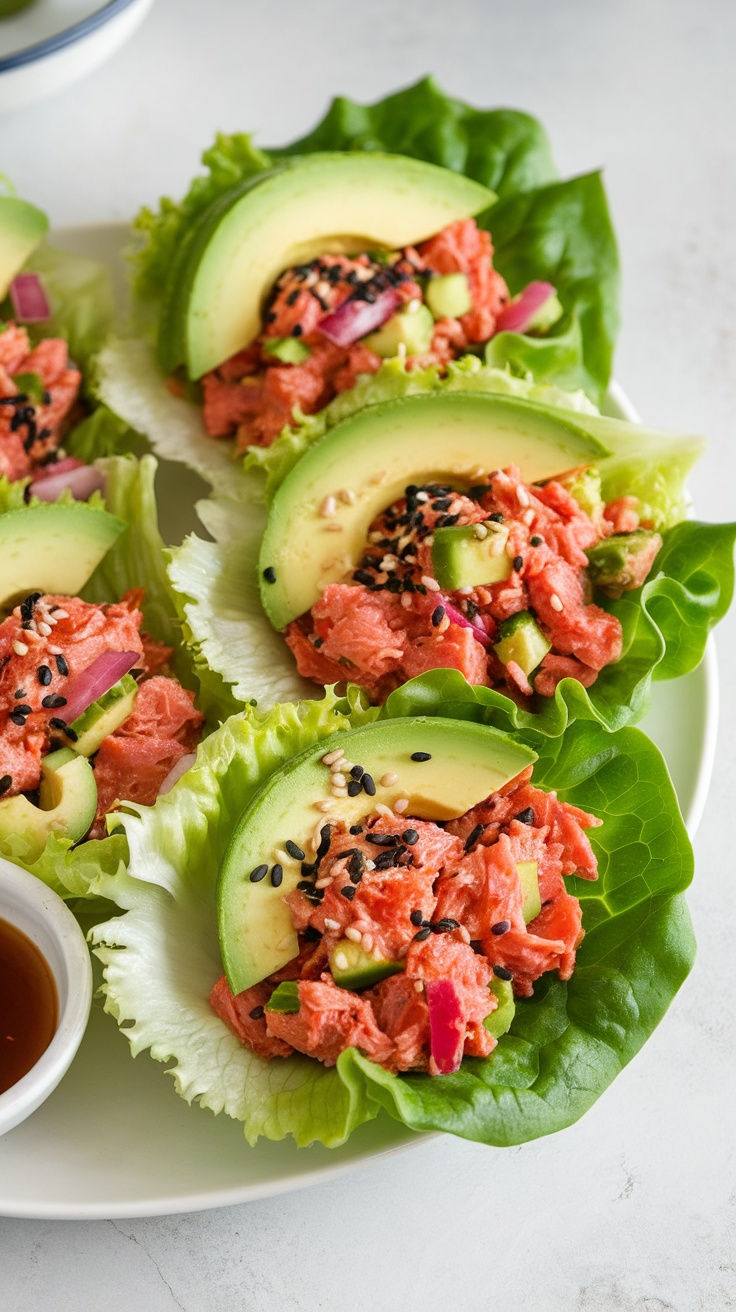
pixel 384 810
pixel 555 602
pixel 333 528
pixel 353 934
pixel 333 756
pixel 282 856
pixel 61 614
pixel 347 496
pixel 331 924
pixel 370 865
pixel 406 600
pixel 339 792
pixel 493 526
pixel 394 653
pixel 338 778
pixel 401 806
pixel 20 648
pixel 480 532
pixel 465 592
pixel 430 584
pixel 341 961
pixel 54 651
pixel 328 507
pixel 413 307
pixel 323 806
pixel 528 517
pixel 497 546
pixel 464 934
pixel 522 496
pixel 418 986
pixel 324 883
pixel 366 943
pixel 429 540
pixel 404 541
pixel 375 536
pixel 387 780
pixel 346 765
pixel 422 496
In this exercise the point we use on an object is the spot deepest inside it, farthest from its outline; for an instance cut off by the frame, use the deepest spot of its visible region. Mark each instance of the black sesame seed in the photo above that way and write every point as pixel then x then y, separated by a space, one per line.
pixel 305 886
pixel 324 844
pixel 269 574
pixel 293 297
pixel 438 614
pixel 354 787
pixel 59 724
pixel 387 860
pixel 356 829
pixel 61 665
pixel 477 946
pixel 443 504
pixel 348 892
pixel 19 692
pixel 257 1013
pixel 357 772
pixel 53 702
pixel 259 873
pixel 501 927
pixel 410 836
pixel 417 917
pixel 312 934
pixel 536 541
pixel 294 850
pixel 356 865
pixel 297 330
pixel 369 786
pixel 422 934
pixel 277 874
pixel 525 817
pixel 383 840
pixel 17 718
pixel 24 709
pixel 473 836
pixel 421 756
pixel 502 972
pixel 362 576
pixel 518 563
pixel 5 783
pixel 445 926
pixel 44 675
pixel 307 869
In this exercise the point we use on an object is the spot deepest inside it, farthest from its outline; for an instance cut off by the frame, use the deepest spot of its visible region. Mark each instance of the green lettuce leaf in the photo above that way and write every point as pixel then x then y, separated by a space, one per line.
pixel 566 1044
pixel 80 296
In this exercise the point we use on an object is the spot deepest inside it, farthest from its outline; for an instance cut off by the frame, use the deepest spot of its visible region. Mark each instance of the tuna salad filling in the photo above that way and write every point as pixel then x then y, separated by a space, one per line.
pixel 39 390
pixel 415 935
pixel 335 318
pixel 84 678
pixel 496 582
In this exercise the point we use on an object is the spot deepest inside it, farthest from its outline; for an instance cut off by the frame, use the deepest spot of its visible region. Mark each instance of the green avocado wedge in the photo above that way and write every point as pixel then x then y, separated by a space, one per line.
pixel 372 456
pixel 465 763
pixel 67 803
pixel 325 203
pixel 53 548
pixel 22 227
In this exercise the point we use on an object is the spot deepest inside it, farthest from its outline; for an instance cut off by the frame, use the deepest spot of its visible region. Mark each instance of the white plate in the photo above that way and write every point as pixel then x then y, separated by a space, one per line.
pixel 114 1140
pixel 53 43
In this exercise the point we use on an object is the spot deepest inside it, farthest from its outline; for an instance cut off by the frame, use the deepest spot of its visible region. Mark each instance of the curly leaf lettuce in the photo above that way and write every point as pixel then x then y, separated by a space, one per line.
pixel 566 1044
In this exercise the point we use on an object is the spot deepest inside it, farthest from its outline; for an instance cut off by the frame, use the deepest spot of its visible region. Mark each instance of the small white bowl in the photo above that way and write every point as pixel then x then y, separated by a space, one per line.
pixel 41 915
pixel 55 42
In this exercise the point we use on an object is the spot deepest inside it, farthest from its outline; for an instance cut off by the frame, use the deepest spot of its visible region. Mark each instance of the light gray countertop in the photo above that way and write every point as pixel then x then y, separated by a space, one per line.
pixel 634 1208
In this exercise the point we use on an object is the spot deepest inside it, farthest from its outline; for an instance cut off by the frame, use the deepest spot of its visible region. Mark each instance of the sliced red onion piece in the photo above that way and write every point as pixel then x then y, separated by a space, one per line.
pixel 446 1026
pixel 81 481
pixel 59 467
pixel 517 316
pixel 29 299
pixel 456 616
pixel 176 772
pixel 81 690
pixel 355 318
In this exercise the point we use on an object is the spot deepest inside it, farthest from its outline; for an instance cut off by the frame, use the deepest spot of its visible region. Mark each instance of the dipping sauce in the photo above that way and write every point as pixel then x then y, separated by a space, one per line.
pixel 29 1006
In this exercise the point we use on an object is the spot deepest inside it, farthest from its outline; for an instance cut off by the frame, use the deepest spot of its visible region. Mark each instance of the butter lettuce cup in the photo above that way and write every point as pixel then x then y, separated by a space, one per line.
pixel 422 908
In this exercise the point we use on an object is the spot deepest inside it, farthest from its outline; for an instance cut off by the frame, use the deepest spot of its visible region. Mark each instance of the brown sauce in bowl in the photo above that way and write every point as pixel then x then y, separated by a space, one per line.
pixel 29 1006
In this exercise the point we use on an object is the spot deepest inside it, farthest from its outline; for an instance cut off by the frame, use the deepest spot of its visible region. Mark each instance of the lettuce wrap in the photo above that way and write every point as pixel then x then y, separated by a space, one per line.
pixel 565 1045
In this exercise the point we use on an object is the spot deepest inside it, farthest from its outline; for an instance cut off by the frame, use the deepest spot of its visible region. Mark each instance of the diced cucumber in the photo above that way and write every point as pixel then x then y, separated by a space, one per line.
pixel 448 296
pixel 285 998
pixel 531 901
pixel 289 350
pixel 412 328
pixel 463 558
pixel 521 640
pixel 104 716
pixel 499 1021
pixel 354 968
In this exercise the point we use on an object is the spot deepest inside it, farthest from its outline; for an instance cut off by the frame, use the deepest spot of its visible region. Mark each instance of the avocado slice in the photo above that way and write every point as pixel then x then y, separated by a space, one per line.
pixel 325 203
pixel 376 453
pixel 531 902
pixel 354 968
pixel 499 1021
pixel 411 328
pixel 22 227
pixel 448 296
pixel 522 640
pixel 285 998
pixel 67 804
pixel 470 555
pixel 104 716
pixel 52 548
pixel 466 763
pixel 612 560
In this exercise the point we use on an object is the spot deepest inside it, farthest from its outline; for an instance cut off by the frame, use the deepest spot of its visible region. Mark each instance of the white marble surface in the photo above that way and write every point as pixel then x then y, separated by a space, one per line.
pixel 634 1209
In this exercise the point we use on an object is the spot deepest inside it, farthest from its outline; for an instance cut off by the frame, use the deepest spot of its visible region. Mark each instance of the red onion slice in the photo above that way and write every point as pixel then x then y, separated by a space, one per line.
pixel 82 480
pixel 29 299
pixel 176 772
pixel 355 318
pixel 58 467
pixel 446 1026
pixel 517 316
pixel 456 616
pixel 81 690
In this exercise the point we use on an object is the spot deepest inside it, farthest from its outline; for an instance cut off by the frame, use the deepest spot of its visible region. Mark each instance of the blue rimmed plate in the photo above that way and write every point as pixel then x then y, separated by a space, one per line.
pixel 53 43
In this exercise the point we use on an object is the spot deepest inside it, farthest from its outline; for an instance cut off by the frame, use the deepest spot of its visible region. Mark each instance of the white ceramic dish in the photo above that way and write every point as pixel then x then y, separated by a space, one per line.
pixel 46 921
pixel 53 43
pixel 114 1140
